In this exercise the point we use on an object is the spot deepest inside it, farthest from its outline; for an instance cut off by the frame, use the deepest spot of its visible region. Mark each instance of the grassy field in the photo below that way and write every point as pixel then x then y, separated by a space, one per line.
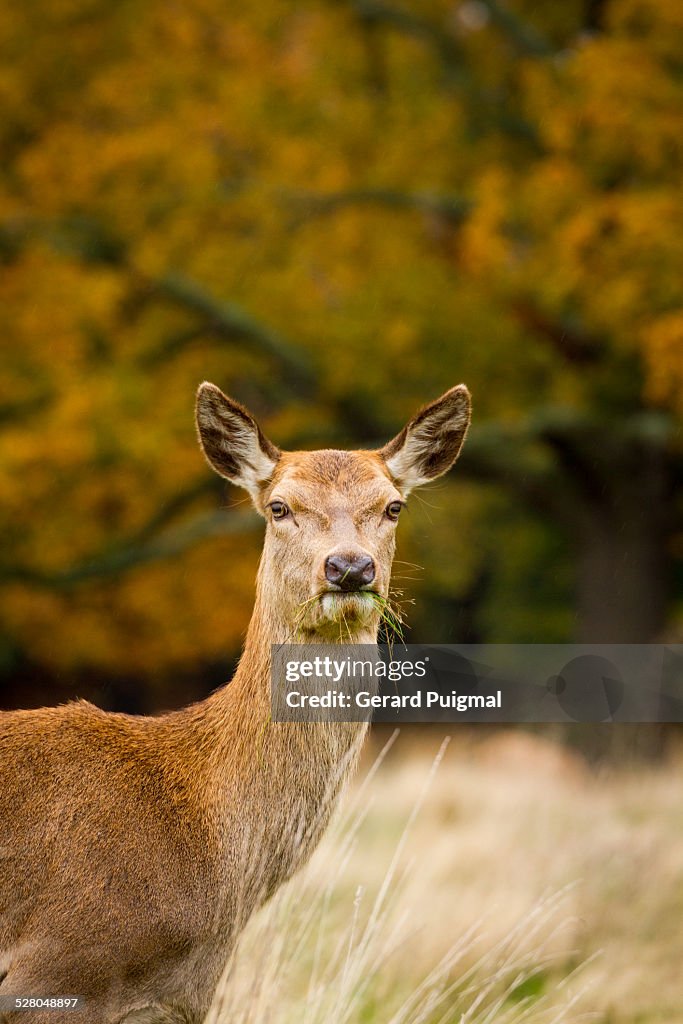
pixel 504 881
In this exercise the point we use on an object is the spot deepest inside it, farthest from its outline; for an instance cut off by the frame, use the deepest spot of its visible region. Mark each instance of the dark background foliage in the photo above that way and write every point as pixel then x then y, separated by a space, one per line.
pixel 334 210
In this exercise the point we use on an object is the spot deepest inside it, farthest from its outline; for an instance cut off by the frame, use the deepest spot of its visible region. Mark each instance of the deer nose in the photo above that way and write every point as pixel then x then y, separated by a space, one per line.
pixel 350 573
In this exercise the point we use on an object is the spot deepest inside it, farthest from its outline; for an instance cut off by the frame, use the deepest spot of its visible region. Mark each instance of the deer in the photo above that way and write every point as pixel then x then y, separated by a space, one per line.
pixel 134 849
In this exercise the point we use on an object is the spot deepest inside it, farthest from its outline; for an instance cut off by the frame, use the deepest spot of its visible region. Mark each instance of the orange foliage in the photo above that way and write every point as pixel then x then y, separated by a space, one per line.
pixel 151 140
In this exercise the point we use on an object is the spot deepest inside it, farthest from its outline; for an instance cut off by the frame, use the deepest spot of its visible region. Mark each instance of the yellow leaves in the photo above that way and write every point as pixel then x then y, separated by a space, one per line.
pixel 630 106
pixel 151 139
pixel 484 247
pixel 594 224
pixel 135 624
pixel 401 335
pixel 213 585
pixel 48 298
pixel 610 103
pixel 623 251
pixel 663 344
pixel 35 618
pixel 654 22
pixel 554 190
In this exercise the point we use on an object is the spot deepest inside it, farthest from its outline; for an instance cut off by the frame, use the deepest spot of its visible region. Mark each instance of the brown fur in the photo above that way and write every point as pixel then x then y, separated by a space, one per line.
pixel 133 850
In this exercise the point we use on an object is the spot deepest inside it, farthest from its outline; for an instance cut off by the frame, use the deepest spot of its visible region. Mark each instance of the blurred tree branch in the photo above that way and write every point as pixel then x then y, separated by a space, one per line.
pixel 524 37
pixel 568 340
pixel 128 555
pixel 454 209
pixel 594 15
pixel 228 320
pixel 374 12
pixel 13 412
pixel 557 483
pixel 505 455
pixel 172 507
pixel 96 244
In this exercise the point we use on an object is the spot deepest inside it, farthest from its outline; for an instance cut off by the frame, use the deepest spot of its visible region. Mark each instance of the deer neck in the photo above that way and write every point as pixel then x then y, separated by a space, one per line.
pixel 243 746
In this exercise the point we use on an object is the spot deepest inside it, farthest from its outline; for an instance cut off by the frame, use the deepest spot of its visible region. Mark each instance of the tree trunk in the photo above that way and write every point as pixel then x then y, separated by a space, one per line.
pixel 621 581
pixel 622 584
pixel 621 558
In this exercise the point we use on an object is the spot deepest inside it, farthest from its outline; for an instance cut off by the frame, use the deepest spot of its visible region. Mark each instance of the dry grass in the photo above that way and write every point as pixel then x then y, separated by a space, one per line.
pixel 508 885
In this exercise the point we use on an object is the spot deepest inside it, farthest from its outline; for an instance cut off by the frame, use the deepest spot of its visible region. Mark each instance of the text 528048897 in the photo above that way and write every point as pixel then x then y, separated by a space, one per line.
pixel 40 1003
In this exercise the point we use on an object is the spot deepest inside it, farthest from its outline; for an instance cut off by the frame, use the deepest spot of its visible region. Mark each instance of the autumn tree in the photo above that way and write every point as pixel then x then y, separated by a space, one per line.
pixel 334 209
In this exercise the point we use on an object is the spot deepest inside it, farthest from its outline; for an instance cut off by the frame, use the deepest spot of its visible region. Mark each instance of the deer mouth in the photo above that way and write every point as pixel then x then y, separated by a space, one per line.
pixel 361 599
pixel 346 605
pixel 340 592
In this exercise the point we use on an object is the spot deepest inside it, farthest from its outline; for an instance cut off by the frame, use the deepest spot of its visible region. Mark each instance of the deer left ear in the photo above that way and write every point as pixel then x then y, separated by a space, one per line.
pixel 233 443
pixel 430 443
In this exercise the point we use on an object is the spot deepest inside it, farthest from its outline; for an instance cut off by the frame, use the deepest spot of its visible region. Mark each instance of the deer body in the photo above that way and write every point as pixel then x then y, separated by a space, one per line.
pixel 134 849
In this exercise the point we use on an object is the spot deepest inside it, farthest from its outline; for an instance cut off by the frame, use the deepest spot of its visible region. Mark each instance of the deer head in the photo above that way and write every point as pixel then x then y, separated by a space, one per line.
pixel 331 515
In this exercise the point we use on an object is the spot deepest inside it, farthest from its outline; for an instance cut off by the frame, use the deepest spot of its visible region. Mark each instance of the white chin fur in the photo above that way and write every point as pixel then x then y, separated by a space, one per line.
pixel 347 605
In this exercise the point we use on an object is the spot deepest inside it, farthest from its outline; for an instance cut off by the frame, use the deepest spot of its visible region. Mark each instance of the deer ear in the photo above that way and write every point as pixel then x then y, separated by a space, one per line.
pixel 233 442
pixel 430 443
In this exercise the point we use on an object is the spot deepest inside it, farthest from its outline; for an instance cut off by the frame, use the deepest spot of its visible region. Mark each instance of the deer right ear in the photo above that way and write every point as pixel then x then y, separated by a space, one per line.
pixel 430 443
pixel 233 442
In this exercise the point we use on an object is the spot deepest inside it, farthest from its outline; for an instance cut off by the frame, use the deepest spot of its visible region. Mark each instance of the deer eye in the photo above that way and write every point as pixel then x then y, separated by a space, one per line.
pixel 393 509
pixel 278 509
